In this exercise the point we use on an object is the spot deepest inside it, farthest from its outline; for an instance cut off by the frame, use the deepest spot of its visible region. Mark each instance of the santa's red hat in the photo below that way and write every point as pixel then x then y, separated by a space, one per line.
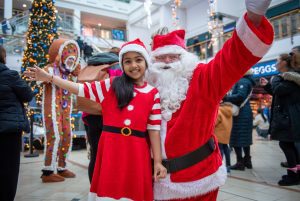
pixel 171 43
pixel 134 46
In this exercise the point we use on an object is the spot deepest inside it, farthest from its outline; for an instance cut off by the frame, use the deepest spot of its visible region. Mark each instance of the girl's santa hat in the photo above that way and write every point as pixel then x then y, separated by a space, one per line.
pixel 171 43
pixel 134 46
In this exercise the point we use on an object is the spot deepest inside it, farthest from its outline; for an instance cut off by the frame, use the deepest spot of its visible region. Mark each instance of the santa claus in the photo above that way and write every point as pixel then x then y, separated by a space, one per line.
pixel 190 95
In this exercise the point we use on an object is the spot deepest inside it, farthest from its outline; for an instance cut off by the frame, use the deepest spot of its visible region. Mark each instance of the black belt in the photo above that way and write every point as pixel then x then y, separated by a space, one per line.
pixel 190 159
pixel 126 131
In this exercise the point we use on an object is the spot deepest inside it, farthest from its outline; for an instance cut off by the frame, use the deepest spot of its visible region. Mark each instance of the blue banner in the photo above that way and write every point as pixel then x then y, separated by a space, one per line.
pixel 266 68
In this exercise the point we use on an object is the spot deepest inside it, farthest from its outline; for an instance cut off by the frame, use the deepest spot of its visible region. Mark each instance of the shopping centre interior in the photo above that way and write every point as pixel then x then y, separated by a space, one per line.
pixel 104 24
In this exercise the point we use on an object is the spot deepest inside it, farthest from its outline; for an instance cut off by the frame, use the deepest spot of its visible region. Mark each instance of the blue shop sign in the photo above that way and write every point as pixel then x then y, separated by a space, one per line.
pixel 264 69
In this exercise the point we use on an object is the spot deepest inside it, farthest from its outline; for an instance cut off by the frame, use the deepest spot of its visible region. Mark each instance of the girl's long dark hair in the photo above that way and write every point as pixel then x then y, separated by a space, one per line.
pixel 123 87
pixel 2 54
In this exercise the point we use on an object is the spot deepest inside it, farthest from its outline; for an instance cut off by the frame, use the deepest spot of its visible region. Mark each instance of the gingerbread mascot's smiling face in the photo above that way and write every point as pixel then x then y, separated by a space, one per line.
pixel 65 54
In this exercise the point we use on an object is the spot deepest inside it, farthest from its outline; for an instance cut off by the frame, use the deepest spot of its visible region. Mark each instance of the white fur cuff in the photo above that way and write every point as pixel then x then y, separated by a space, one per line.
pixel 165 189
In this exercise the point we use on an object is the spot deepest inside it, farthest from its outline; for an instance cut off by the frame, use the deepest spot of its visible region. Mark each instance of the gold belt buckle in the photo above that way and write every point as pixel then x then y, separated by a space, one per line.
pixel 126 131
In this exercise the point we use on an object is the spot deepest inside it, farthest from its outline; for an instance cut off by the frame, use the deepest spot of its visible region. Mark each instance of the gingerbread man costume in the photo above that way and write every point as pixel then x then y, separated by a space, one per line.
pixel 57 107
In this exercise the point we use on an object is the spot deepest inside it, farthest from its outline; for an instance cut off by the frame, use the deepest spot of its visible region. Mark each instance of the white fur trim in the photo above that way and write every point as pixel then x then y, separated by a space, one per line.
pixel 94 197
pixel 165 189
pixel 134 48
pixel 145 89
pixel 61 48
pixel 257 47
pixel 168 49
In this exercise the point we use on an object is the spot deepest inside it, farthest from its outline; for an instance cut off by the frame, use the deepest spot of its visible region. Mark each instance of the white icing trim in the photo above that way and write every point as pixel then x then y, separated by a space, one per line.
pixel 71 134
pixel 165 189
pixel 61 48
pixel 257 47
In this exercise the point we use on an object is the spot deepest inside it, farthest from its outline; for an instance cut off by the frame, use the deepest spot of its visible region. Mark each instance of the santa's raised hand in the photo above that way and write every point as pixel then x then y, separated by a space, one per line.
pixel 256 9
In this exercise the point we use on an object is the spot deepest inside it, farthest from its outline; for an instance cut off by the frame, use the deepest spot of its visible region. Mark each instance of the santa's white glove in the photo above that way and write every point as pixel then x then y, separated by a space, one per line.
pixel 258 6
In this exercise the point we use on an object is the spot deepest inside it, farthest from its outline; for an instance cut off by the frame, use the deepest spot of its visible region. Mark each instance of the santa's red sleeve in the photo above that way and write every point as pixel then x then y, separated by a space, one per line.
pixel 95 91
pixel 246 47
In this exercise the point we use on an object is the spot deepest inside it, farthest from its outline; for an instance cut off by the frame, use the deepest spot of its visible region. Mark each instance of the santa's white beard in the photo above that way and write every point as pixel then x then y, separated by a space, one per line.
pixel 172 83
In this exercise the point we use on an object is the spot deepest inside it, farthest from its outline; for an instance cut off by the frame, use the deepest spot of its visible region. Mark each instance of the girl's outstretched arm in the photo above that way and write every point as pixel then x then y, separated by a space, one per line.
pixel 159 170
pixel 38 74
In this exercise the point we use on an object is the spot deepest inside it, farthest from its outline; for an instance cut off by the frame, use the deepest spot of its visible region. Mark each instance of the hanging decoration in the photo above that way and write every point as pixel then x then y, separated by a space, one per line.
pixel 215 24
pixel 175 18
pixel 147 7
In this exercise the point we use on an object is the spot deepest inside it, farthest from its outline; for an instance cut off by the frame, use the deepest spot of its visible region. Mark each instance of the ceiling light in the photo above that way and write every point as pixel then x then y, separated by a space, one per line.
pixel 24 5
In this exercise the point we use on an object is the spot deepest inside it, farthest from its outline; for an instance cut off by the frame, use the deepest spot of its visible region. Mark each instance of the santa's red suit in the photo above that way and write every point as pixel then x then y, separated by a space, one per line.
pixel 192 124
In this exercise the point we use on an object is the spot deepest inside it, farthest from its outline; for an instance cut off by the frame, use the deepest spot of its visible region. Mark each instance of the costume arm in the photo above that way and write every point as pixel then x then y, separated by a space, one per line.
pixel 95 91
pixel 246 47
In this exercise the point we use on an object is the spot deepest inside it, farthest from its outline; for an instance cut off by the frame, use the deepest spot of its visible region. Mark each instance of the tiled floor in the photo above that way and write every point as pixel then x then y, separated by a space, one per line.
pixel 257 184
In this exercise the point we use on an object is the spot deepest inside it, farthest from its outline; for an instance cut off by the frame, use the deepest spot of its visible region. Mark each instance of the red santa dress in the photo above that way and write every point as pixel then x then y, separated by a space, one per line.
pixel 192 125
pixel 123 166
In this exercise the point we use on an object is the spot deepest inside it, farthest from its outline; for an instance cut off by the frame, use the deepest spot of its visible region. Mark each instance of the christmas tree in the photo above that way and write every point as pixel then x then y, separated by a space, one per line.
pixel 41 32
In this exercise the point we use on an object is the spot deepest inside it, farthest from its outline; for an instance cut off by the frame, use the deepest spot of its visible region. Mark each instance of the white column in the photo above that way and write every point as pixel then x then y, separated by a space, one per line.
pixel 8 8
pixel 77 21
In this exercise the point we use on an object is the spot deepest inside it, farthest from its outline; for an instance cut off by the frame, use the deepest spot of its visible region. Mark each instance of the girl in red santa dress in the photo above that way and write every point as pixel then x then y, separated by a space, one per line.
pixel 131 116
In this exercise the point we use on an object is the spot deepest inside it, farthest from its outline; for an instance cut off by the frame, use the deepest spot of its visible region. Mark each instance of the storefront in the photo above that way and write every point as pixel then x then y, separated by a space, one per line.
pixel 259 98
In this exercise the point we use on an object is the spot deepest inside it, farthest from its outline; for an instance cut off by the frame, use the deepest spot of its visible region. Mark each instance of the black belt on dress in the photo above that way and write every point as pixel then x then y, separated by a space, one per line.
pixel 125 131
pixel 190 159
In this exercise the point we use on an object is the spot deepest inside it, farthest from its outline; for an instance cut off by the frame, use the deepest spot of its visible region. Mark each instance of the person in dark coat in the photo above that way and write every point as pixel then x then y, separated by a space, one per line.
pixel 87 51
pixel 241 133
pixel 14 92
pixel 285 115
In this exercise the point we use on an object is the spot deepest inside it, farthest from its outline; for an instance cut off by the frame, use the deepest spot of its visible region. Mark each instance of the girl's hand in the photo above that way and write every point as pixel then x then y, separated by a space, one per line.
pixel 160 171
pixel 37 74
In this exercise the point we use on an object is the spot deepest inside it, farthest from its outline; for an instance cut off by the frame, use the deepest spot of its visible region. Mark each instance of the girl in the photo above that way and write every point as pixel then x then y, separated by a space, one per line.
pixel 262 124
pixel 131 109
